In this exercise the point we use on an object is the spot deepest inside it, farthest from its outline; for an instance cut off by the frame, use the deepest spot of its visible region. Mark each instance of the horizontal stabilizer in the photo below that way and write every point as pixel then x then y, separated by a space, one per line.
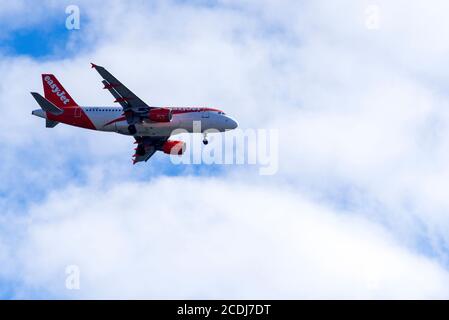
pixel 46 105
pixel 50 123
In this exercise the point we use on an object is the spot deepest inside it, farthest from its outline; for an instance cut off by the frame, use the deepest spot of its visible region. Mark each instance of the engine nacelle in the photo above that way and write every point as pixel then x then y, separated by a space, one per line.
pixel 160 115
pixel 174 147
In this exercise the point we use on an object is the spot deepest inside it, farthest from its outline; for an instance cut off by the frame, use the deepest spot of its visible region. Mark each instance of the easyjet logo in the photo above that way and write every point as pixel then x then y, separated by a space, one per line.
pixel 55 89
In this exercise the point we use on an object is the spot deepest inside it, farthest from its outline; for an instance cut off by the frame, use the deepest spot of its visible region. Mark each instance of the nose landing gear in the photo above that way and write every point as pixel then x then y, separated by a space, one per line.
pixel 205 141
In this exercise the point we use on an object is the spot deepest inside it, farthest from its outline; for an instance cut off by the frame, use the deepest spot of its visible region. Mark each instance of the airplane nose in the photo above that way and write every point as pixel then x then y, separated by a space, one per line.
pixel 231 123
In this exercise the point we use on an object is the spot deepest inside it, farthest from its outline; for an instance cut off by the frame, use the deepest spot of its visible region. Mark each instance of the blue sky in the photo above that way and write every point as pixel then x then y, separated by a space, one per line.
pixel 37 40
pixel 356 187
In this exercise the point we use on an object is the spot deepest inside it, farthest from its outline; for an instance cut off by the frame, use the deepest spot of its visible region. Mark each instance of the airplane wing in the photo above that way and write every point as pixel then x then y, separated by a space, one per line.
pixel 127 99
pixel 146 147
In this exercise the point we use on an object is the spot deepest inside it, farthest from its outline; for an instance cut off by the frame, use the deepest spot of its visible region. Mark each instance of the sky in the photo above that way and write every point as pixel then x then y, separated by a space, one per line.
pixel 357 209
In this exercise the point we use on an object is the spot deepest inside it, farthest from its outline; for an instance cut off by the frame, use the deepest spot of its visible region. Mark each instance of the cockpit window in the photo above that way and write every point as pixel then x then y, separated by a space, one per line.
pixel 221 112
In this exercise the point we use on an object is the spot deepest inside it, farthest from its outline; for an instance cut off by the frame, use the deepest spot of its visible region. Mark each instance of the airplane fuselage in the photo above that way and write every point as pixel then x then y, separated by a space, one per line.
pixel 111 119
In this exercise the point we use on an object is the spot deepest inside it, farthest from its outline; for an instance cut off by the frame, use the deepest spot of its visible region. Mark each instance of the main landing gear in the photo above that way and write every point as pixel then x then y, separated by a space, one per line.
pixel 205 141
pixel 132 129
pixel 140 150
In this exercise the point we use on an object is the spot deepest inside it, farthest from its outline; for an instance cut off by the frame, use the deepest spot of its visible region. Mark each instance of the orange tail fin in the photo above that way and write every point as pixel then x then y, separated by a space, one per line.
pixel 55 92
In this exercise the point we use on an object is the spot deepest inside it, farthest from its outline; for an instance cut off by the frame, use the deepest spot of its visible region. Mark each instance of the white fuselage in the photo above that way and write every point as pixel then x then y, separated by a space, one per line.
pixel 111 119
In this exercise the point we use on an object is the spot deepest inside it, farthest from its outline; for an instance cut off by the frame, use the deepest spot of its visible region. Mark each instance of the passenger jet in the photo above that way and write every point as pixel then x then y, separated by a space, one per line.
pixel 150 126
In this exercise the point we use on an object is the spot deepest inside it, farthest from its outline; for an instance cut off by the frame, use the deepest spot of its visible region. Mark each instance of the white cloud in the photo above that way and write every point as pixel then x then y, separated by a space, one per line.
pixel 203 238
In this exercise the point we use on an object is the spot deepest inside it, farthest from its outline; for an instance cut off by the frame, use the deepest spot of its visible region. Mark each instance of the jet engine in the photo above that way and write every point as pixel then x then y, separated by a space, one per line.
pixel 160 115
pixel 174 147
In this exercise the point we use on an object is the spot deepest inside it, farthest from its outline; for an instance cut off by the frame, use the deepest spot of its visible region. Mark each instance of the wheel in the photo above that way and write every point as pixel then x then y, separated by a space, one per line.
pixel 132 129
pixel 205 142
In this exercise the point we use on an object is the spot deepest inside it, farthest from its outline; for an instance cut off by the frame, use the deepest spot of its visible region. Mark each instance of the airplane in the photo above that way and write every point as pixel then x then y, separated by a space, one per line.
pixel 150 126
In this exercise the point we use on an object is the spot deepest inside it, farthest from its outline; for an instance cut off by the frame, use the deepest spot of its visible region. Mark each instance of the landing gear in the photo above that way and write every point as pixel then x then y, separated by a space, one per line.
pixel 205 141
pixel 140 150
pixel 132 129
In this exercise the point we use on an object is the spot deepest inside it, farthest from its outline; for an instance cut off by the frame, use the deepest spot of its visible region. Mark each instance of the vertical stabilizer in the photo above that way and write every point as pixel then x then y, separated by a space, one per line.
pixel 55 92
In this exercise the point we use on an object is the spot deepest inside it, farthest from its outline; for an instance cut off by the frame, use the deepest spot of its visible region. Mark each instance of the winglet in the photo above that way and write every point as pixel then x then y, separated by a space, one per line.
pixel 93 65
